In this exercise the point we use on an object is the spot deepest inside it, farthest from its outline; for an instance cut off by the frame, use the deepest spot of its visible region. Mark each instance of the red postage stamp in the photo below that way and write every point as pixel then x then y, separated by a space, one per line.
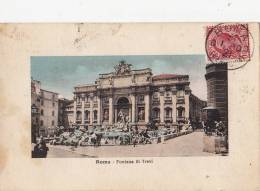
pixel 227 43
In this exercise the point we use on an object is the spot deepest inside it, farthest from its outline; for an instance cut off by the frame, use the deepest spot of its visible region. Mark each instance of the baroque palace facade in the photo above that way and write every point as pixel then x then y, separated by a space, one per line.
pixel 138 96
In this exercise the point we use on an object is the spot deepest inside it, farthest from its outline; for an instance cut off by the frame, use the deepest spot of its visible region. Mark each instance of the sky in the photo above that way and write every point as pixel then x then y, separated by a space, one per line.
pixel 61 73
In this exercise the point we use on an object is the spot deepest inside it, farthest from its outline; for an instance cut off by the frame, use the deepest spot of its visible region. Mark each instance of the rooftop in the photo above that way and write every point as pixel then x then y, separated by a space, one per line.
pixel 167 76
pixel 49 91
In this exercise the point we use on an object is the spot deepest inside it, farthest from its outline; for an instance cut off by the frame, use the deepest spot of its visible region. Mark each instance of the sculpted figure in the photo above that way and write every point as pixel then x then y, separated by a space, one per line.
pixel 122 68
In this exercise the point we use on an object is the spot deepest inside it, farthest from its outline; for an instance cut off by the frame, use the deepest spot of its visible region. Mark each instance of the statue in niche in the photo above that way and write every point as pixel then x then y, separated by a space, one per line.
pixel 141 114
pixel 121 117
pixel 106 115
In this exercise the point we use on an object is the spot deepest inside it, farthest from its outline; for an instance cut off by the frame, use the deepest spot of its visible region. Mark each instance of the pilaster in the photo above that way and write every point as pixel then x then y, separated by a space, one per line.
pixel 187 102
pixel 83 112
pixel 91 109
pixel 174 104
pixel 74 109
pixel 147 107
pixel 162 92
pixel 133 107
pixel 110 111
pixel 99 110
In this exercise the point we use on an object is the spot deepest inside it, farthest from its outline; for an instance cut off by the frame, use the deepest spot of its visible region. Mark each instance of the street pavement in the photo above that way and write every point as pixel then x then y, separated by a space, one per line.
pixel 185 145
pixel 55 152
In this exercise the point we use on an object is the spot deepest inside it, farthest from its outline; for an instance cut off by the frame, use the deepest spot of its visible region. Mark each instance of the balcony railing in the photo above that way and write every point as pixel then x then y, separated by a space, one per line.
pixel 168 119
pixel 156 119
pixel 140 102
pixel 78 120
pixel 180 118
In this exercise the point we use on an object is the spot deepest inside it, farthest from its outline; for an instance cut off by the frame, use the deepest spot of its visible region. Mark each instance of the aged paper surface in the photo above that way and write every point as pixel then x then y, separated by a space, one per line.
pixel 239 170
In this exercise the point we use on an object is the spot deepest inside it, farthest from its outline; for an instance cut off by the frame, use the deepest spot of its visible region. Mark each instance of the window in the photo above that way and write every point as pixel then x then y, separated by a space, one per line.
pixel 41 122
pixel 53 104
pixel 42 102
pixel 180 112
pixel 156 113
pixel 87 115
pixel 52 113
pixel 95 115
pixel 168 112
pixel 34 110
pixel 78 115
pixel 41 111
pixel 52 123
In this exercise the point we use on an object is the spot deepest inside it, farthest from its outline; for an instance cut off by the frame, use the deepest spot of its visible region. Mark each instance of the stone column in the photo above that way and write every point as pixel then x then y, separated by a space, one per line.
pixel 174 105
pixel 133 108
pixel 83 111
pixel 116 115
pixel 162 105
pixel 91 110
pixel 187 102
pixel 110 111
pixel 147 107
pixel 130 114
pixel 75 110
pixel 99 110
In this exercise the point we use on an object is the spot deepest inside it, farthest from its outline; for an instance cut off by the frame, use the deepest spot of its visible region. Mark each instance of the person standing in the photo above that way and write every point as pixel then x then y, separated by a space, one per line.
pixel 40 149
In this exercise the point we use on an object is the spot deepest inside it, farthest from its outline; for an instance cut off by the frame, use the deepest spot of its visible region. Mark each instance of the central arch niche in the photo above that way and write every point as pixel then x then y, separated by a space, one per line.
pixel 122 112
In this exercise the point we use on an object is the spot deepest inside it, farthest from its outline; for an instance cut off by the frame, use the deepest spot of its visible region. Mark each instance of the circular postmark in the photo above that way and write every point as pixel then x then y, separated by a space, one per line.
pixel 229 43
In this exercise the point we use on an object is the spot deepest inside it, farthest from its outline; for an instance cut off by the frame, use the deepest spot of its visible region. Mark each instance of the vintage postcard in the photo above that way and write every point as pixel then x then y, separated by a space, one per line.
pixel 144 106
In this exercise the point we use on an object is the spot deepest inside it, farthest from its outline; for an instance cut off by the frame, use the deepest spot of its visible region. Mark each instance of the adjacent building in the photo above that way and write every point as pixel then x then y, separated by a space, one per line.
pixel 217 91
pixel 69 114
pixel 135 96
pixel 197 113
pixel 63 119
pixel 44 109
pixel 35 109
